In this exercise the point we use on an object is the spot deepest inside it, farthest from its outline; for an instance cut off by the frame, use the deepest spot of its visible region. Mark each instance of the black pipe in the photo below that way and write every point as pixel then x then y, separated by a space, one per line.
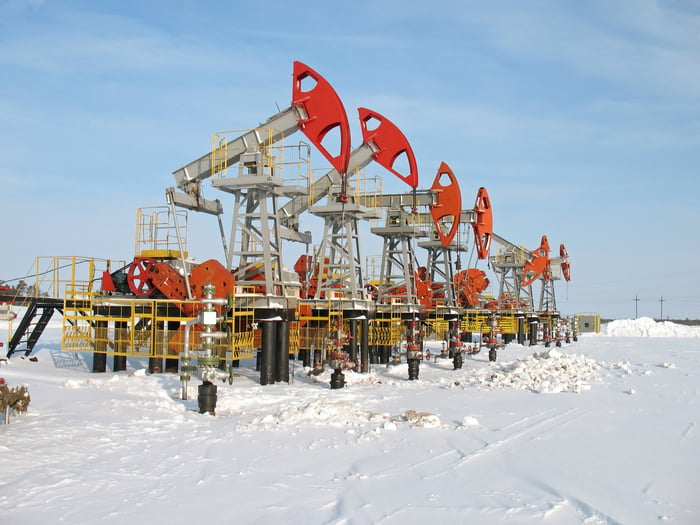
pixel 452 349
pixel 384 354
pixel 413 368
pixel 282 368
pixel 119 346
pixel 172 361
pixel 521 330
pixel 457 361
pixel 364 345
pixel 155 365
pixel 99 356
pixel 119 363
pixel 206 398
pixel 533 333
pixel 268 354
pixel 337 379
pixel 352 324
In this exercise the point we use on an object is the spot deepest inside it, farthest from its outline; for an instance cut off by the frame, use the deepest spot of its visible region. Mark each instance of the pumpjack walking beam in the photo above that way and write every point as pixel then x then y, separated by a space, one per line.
pixel 382 141
pixel 514 281
pixel 316 112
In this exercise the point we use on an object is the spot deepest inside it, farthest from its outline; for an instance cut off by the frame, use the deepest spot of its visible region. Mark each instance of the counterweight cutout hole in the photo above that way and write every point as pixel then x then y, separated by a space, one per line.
pixel 401 164
pixel 372 124
pixel 306 83
pixel 444 179
pixel 330 140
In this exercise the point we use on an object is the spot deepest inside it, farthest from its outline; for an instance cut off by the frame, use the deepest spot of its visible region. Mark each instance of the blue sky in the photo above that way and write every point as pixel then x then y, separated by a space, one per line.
pixel 582 119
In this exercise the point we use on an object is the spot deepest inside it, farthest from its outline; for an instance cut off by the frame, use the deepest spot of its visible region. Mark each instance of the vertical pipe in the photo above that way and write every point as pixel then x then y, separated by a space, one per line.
pixel 533 332
pixel 385 354
pixel 155 362
pixel 352 323
pixel 206 398
pixel 414 348
pixel 282 368
pixel 317 359
pixel 172 359
pixel 267 354
pixel 99 356
pixel 453 327
pixel 186 358
pixel 521 330
pixel 120 346
pixel 364 345
pixel 374 355
pixel 307 356
pixel 155 365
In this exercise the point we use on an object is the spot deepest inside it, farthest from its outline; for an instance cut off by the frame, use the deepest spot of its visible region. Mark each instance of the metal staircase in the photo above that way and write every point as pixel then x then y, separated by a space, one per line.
pixel 37 316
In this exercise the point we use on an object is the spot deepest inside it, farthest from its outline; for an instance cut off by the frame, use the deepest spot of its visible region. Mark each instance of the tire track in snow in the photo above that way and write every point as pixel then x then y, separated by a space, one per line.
pixel 442 463
pixel 535 428
pixel 461 457
pixel 688 430
pixel 525 419
pixel 587 512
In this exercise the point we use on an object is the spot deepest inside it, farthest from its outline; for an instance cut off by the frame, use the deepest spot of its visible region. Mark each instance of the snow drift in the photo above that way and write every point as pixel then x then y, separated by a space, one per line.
pixel 647 327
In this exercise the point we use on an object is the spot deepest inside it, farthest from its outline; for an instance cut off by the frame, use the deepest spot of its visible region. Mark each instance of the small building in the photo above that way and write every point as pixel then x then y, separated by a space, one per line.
pixel 588 323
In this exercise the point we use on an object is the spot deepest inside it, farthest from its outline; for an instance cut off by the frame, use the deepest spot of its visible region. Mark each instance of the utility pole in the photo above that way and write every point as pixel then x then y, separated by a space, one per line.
pixel 662 307
pixel 636 304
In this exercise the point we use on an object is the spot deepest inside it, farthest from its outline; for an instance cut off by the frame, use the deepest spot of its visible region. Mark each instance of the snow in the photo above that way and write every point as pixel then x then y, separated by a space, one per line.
pixel 600 431
pixel 647 327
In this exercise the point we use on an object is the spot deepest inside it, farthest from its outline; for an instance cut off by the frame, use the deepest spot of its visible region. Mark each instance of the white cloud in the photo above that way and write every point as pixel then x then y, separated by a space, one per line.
pixel 631 43
pixel 69 42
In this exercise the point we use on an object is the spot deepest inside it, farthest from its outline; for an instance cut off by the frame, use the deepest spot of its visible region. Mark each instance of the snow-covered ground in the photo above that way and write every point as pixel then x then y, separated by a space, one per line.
pixel 604 430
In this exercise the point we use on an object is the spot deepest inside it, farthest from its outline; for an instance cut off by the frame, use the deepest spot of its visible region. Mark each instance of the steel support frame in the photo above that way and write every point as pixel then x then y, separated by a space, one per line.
pixel 340 246
pixel 255 229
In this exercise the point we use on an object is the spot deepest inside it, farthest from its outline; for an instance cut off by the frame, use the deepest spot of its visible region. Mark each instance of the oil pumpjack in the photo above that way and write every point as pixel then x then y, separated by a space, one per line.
pixel 202 316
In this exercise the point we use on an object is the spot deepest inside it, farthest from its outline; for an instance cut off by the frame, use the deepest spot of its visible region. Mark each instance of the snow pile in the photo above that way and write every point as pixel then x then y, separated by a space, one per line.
pixel 323 412
pixel 320 412
pixel 647 327
pixel 547 372
pixel 422 419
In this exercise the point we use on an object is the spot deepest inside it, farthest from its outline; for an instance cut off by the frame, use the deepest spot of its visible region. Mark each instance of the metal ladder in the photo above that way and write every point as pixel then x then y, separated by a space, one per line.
pixel 38 314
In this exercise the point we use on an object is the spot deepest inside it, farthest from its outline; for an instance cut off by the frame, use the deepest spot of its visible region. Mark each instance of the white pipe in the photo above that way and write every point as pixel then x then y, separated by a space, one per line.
pixel 186 352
